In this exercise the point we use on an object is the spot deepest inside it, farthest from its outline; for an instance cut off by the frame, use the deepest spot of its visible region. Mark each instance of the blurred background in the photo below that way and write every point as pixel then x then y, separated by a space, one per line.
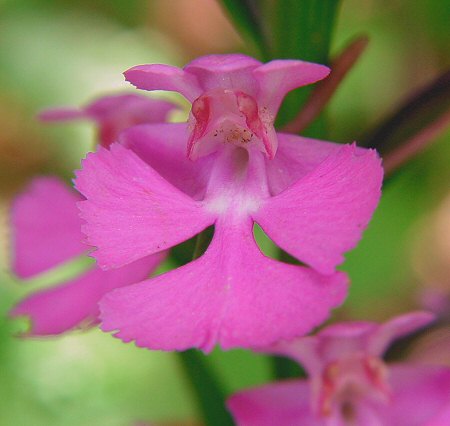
pixel 60 52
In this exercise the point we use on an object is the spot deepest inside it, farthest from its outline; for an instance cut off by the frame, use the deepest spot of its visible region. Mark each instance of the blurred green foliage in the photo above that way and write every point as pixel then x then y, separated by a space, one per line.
pixel 247 16
pixel 302 30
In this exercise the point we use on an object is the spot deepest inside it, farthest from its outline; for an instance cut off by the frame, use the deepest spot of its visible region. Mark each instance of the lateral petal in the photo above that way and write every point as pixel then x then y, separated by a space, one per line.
pixel 277 78
pixel 131 211
pixel 296 157
pixel 323 215
pixel 400 326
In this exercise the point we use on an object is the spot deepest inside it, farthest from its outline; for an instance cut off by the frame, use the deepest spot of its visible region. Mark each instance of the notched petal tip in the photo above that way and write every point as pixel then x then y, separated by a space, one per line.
pixel 94 252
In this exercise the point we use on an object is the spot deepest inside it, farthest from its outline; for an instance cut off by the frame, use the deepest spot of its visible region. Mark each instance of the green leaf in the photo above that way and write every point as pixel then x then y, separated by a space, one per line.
pixel 285 368
pixel 208 391
pixel 247 18
pixel 301 29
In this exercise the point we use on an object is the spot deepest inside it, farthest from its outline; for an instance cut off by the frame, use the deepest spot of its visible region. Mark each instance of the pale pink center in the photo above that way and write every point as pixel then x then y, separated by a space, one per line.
pixel 345 383
pixel 224 117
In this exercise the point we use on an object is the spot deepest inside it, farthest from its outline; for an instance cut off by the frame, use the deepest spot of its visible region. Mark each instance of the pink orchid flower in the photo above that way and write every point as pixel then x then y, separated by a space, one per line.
pixel 114 113
pixel 349 383
pixel 47 228
pixel 313 198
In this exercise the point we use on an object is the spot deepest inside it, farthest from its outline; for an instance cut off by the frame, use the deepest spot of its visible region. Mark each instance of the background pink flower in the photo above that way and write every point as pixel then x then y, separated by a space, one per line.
pixel 47 228
pixel 349 383
pixel 47 232
pixel 114 113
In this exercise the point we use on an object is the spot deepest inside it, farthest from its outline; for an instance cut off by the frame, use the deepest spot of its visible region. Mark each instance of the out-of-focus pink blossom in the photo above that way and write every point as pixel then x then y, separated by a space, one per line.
pixel 47 232
pixel 349 383
pixel 432 347
pixel 47 227
pixel 313 198
pixel 114 113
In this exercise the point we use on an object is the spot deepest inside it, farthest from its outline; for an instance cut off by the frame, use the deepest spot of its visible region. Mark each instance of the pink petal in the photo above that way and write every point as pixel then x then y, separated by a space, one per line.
pixel 142 108
pixel 344 339
pixel 331 343
pixel 224 71
pixel 227 63
pixel 61 114
pixel 399 326
pixel 419 394
pixel 232 295
pixel 341 340
pixel 327 210
pixel 277 78
pixel 420 397
pixel 350 330
pixel 116 113
pixel 46 227
pixel 441 418
pixel 281 404
pixel 61 308
pixel 164 77
pixel 163 147
pixel 296 157
pixel 303 350
pixel 131 211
